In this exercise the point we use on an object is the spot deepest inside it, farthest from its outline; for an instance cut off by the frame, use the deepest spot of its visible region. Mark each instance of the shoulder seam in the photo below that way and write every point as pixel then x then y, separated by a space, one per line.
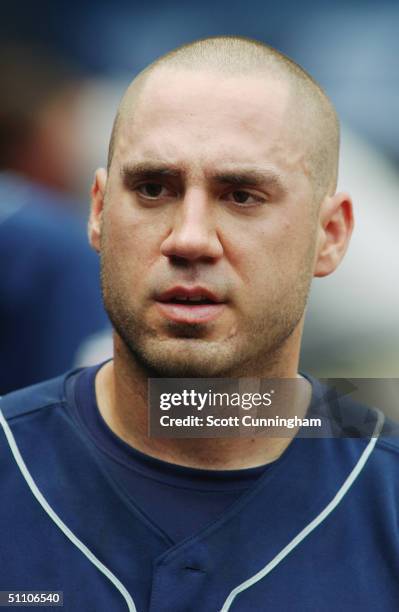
pixel 36 397
pixel 381 442
pixel 35 409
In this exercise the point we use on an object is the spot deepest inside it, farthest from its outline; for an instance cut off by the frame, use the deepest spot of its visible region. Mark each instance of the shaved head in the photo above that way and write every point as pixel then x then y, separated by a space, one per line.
pixel 310 117
pixel 222 176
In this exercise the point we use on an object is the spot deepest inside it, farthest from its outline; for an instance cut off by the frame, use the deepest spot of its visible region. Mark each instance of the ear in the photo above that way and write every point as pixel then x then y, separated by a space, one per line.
pixel 334 232
pixel 97 208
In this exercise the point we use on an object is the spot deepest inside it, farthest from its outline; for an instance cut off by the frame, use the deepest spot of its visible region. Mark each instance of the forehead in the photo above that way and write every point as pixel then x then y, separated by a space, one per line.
pixel 204 118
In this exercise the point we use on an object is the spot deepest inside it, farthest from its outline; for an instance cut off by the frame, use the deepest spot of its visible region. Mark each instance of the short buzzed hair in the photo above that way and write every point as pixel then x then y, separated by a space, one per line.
pixel 235 55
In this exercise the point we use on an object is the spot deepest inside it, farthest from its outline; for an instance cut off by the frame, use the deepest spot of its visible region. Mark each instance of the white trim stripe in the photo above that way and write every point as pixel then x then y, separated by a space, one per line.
pixel 241 587
pixel 60 524
pixel 313 524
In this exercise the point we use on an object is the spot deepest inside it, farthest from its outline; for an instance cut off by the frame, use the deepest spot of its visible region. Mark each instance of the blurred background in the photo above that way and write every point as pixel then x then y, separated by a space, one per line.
pixel 64 67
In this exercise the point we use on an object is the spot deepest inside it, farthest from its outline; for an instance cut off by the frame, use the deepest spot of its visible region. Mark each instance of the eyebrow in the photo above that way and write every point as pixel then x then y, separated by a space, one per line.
pixel 251 178
pixel 238 177
pixel 147 170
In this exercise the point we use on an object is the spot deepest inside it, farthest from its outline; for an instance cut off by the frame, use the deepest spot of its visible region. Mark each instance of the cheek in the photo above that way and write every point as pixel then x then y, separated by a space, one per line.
pixel 133 239
pixel 271 258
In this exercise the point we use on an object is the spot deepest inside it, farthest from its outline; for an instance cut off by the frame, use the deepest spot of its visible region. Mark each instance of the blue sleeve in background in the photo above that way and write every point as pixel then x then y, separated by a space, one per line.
pixel 50 299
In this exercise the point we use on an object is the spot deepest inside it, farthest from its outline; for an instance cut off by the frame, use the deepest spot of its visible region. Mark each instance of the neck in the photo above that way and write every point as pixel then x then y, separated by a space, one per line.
pixel 121 390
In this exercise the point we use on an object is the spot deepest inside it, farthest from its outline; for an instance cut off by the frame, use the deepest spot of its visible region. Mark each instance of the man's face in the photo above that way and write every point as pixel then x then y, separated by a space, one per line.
pixel 208 191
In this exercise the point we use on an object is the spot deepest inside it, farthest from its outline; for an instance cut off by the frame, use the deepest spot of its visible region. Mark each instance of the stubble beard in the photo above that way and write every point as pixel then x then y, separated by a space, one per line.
pixel 186 353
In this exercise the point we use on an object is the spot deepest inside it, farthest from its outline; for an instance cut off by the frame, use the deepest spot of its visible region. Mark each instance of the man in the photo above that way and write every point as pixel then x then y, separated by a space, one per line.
pixel 50 302
pixel 220 190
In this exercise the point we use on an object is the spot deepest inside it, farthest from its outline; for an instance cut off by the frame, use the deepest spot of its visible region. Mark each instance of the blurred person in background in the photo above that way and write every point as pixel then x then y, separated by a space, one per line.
pixel 50 303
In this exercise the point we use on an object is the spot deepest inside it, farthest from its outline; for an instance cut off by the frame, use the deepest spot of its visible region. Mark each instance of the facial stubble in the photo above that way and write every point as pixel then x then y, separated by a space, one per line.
pixel 183 350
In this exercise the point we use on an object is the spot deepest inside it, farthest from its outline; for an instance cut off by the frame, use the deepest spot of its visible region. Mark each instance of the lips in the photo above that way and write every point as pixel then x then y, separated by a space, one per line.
pixel 190 304
pixel 189 294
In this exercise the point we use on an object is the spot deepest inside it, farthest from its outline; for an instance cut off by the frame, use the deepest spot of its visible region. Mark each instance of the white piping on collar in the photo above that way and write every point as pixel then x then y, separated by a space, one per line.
pixel 60 524
pixel 241 587
pixel 316 521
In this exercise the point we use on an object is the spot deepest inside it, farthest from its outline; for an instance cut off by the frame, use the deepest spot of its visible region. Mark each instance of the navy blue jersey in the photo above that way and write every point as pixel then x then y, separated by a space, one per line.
pixel 316 531
pixel 50 300
pixel 160 489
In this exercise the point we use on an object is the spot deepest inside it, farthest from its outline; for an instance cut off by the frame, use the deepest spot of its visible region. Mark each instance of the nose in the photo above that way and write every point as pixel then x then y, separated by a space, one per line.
pixel 193 234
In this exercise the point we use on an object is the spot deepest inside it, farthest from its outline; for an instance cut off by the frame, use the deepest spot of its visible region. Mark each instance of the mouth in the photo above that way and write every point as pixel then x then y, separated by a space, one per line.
pixel 190 305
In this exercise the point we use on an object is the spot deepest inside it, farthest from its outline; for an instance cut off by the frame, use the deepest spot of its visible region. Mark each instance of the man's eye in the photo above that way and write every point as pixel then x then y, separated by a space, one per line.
pixel 242 198
pixel 153 190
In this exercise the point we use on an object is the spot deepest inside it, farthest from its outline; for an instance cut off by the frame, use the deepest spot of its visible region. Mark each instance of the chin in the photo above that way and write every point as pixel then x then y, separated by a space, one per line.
pixel 177 359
